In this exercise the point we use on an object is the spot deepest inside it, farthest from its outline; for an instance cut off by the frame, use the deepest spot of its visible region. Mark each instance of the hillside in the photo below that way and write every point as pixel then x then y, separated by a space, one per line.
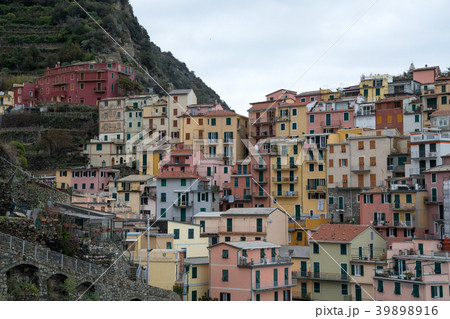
pixel 35 34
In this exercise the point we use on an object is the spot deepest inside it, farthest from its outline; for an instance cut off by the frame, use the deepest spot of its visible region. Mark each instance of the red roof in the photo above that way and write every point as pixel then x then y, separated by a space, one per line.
pixel 338 232
pixel 220 113
pixel 178 174
pixel 394 98
pixel 176 152
pixel 440 112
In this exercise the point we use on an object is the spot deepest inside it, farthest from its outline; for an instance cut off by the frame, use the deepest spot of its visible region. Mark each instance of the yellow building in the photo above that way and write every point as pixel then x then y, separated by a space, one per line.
pixel 374 87
pixel 313 175
pixel 285 164
pixel 219 133
pixel 63 178
pixel 127 191
pixel 187 238
pixel 298 229
pixel 291 120
pixel 300 258
pixel 329 95
pixel 197 279
pixel 6 101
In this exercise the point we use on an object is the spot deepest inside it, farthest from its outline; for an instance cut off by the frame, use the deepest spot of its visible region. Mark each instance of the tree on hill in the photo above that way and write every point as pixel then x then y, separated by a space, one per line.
pixel 128 85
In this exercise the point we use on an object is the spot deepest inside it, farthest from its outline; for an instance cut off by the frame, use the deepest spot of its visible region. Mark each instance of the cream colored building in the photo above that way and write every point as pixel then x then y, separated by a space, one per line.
pixel 6 101
pixel 187 238
pixel 127 191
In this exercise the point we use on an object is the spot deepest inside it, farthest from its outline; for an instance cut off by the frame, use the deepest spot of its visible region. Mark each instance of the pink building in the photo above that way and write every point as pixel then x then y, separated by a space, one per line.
pixel 426 74
pixel 239 195
pixel 329 116
pixel 249 271
pixel 25 94
pixel 86 179
pixel 307 97
pixel 436 183
pixel 418 270
pixel 84 82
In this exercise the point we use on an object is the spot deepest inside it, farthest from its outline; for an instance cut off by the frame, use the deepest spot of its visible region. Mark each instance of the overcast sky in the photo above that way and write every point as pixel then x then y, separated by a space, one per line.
pixel 246 49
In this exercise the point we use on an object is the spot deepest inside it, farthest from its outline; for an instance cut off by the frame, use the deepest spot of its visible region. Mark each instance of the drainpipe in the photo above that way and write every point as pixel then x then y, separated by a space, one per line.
pixel 251 284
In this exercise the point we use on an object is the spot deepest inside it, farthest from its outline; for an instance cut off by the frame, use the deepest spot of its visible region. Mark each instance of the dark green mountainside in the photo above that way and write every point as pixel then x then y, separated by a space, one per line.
pixel 36 34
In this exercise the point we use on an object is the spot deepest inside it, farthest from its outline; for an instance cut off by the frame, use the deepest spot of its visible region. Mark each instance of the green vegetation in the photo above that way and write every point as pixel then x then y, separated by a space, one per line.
pixel 69 243
pixel 20 153
pixel 36 34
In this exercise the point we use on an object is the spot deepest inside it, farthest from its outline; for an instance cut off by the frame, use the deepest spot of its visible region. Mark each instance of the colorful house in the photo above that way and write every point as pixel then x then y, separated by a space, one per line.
pixel 418 270
pixel 187 238
pixel 374 87
pixel 248 271
pixel 332 250
pixel 85 179
pixel 300 267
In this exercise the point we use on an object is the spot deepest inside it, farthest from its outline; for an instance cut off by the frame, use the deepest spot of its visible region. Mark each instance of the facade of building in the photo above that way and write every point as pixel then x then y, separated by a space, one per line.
pixel 249 271
pixel 85 179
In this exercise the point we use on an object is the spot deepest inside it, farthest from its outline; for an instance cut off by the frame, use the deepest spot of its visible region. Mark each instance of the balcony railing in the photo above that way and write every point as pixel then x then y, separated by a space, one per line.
pixel 100 90
pixel 319 188
pixel 213 141
pixel 228 141
pixel 248 262
pixel 418 154
pixel 331 124
pixel 433 200
pixel 183 203
pixel 285 194
pixel 292 179
pixel 327 276
pixel 250 229
pixel 282 118
pixel 275 284
pixel 260 195
pixel 290 166
pixel 403 206
pixel 259 182
pixel 259 167
pixel 263 134
pixel 360 168
pixel 366 254
pixel 263 121
pixel 404 223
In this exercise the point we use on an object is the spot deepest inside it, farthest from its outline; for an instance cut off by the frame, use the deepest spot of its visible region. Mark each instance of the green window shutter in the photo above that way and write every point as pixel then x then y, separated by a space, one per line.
pixel 259 225
pixel 275 296
pixel 295 149
pixel 163 182
pixel 163 212
pixel 198 197
pixel 225 170
pixel 415 291
pixel 194 272
pixel 225 253
pixel 380 286
pixel 236 182
pixel 213 122
pixel 224 275
pixel 437 268
pixel 362 270
pixel 190 233
pixel 408 198
pixel 397 288
pixel 274 252
pixel 207 196
pixel 433 291
pixel 346 116
pixel 353 270
pixel 163 197
pixel 244 252
pixel 127 197
pixel 229 225
pixel 183 182
pixel 262 253
pixel 202 225
pixel 441 291
pixel 377 91
pixel 176 234
pixel 228 120
pixel 299 236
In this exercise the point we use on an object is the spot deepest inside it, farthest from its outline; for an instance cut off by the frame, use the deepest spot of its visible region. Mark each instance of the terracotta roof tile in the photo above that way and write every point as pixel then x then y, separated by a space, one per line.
pixel 394 98
pixel 440 112
pixel 220 113
pixel 338 232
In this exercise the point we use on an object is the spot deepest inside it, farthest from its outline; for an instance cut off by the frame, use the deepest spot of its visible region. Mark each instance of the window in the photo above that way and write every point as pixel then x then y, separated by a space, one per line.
pixel 330 163
pixel 331 149
pixel 225 253
pixel 443 100
pixel 213 122
pixel 294 126
pixel 433 178
pixel 346 116
pixel 343 249
pixel 224 275
pixel 373 161
pixel 330 200
pixel 225 296
pixel 317 287
pixel 311 118
pixel 183 182
pixel 417 118
pixel 397 288
pixel 361 145
pixel 191 233
pixel 176 234
pixel 228 120
pixel 99 147
pixel 227 239
pixel 282 127
pixel 415 291
pixel 344 289
pixel 377 91
pixel 331 179
pixel 163 182
pixel 163 212
pixel 294 112
pixel 311 167
pixel 357 270
pixel 436 292
pixel 389 119
pixel 127 197
pixel 437 268
pixel 299 236
pixel 315 248
pixel 380 286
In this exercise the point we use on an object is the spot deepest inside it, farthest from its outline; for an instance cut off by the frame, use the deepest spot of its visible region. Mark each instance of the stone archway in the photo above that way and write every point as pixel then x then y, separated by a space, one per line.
pixel 23 282
pixel 86 291
pixel 57 288
pixel 135 299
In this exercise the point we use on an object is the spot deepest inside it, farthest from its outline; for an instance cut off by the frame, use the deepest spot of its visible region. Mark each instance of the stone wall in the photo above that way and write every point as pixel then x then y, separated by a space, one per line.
pixel 351 211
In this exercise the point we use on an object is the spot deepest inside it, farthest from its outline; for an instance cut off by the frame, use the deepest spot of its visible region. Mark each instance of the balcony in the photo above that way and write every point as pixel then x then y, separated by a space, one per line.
pixel 404 223
pixel 365 112
pixel 213 141
pixel 331 124
pixel 249 229
pixel 418 154
pixel 282 118
pixel 250 262
pixel 437 217
pixel 274 285
pixel 360 168
pixel 260 195
pixel 203 188
pixel 380 223
pixel 263 134
pixel 416 171
pixel 425 276
pixel 309 158
pixel 327 276
pixel 262 121
pixel 433 200
pixel 182 204
pixel 259 167
pixel 290 166
pixel 100 90
pixel 367 254
pixel 300 274
pixel 244 198
pixel 316 188
pixel 228 141
pixel 403 206
pixel 259 182
pixel 293 179
pixel 285 194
